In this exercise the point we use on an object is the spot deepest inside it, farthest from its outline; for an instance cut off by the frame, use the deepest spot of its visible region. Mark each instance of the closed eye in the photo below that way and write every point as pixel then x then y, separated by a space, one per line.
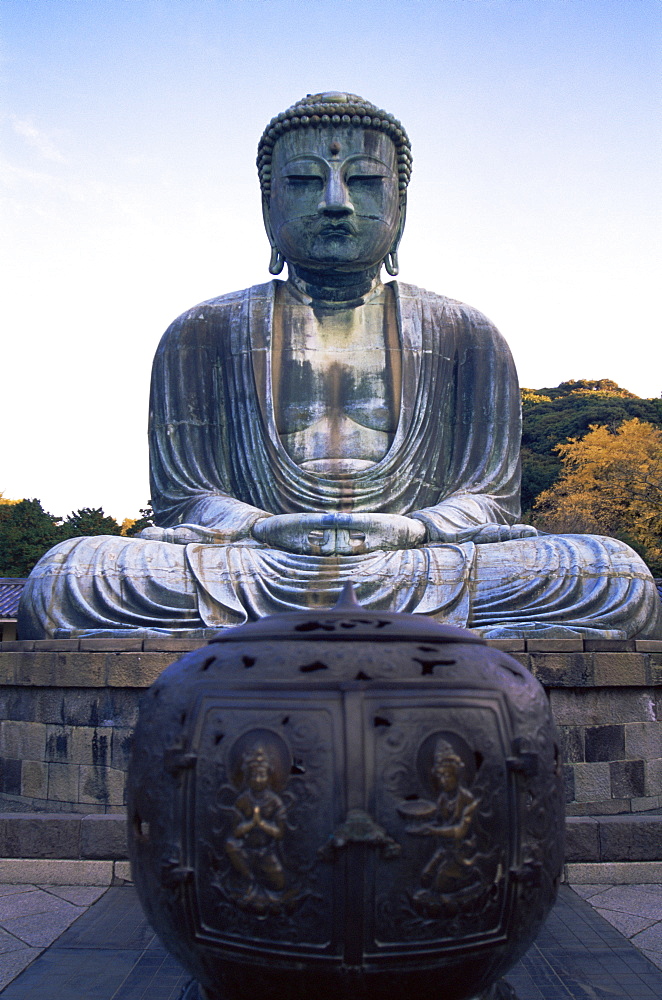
pixel 365 180
pixel 299 180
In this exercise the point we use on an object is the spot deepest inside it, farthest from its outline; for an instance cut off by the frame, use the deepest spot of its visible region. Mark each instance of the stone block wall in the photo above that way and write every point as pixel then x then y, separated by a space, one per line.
pixel 69 707
pixel 607 703
pixel 607 839
pixel 68 711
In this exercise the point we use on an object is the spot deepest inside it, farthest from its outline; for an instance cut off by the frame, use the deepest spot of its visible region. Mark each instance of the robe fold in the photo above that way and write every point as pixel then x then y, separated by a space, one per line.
pixel 216 458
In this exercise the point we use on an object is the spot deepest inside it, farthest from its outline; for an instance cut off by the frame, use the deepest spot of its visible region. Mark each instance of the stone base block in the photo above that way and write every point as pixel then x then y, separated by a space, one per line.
pixel 57 835
pixel 614 873
pixel 33 871
pixel 631 837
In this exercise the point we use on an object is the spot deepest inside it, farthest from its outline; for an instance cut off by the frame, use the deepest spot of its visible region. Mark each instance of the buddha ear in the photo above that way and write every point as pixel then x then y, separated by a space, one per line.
pixel 391 258
pixel 277 261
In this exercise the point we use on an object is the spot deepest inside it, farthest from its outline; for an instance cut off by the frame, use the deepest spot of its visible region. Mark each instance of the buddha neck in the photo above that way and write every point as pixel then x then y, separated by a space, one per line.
pixel 335 290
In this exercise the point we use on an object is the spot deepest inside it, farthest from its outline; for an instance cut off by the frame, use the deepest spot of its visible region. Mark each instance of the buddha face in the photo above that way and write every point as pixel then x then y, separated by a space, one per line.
pixel 257 772
pixel 335 202
pixel 446 770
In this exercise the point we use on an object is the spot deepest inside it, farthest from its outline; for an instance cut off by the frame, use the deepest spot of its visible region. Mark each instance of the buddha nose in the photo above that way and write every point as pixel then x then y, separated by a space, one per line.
pixel 336 200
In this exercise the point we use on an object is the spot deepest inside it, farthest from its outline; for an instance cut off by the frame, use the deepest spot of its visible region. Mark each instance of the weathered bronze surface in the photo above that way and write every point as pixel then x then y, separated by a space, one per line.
pixel 330 428
pixel 346 804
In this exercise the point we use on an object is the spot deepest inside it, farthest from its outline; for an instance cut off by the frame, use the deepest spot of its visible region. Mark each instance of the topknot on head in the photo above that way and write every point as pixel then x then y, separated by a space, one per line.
pixel 333 108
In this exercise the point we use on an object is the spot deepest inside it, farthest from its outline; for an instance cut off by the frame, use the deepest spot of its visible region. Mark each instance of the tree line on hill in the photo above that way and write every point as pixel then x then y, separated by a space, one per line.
pixel 27 531
pixel 591 463
pixel 551 416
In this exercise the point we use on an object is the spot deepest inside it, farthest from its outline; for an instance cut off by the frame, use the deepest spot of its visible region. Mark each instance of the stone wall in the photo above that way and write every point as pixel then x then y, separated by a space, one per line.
pixel 606 698
pixel 69 707
pixel 68 710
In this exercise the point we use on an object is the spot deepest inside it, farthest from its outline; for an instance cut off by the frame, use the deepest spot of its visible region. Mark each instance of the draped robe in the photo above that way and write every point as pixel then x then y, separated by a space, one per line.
pixel 216 461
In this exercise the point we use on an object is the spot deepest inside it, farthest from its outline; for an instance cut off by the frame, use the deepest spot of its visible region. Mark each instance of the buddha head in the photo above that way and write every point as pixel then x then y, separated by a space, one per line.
pixel 256 768
pixel 447 768
pixel 334 171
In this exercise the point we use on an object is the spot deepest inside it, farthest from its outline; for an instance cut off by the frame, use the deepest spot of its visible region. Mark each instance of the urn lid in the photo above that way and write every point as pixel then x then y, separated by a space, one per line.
pixel 350 621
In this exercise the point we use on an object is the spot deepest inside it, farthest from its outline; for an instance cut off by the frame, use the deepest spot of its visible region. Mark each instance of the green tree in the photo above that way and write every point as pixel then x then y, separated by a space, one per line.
pixel 27 531
pixel 587 386
pixel 89 521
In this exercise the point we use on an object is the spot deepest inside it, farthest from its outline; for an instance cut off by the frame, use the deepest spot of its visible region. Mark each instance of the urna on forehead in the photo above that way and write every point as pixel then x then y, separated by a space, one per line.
pixel 334 144
pixel 335 111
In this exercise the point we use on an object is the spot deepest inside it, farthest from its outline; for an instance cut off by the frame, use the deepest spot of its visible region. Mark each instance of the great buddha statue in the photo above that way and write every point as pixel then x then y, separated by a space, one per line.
pixel 328 428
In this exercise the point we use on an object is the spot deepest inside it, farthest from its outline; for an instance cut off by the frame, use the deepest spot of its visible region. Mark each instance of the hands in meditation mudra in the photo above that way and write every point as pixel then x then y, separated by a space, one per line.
pixel 330 428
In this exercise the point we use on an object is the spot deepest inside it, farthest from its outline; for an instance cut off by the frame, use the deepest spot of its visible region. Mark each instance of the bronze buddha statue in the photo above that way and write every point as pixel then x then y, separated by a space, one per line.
pixel 330 428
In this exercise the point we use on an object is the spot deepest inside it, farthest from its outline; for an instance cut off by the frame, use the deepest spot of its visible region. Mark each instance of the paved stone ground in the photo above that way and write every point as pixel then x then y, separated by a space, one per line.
pixel 634 910
pixel 106 951
pixel 32 917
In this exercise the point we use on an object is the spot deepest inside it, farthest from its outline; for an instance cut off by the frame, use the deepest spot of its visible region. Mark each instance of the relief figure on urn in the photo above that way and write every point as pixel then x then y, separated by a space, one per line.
pixel 252 839
pixel 454 867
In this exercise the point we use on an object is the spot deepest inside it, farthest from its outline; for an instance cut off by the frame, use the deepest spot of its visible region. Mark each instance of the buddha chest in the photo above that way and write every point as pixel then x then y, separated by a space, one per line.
pixel 336 382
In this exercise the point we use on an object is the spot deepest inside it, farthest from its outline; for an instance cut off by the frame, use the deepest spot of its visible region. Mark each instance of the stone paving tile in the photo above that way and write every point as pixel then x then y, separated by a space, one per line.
pixel 81 974
pixel 586 891
pixel 6 889
pixel 80 895
pixel 578 955
pixel 116 921
pixel 652 888
pixel 39 930
pixel 111 954
pixel 32 902
pixel 629 909
pixel 649 939
pixel 627 923
pixel 14 962
pixel 156 976
pixel 629 899
pixel 32 918
pixel 654 956
pixel 9 942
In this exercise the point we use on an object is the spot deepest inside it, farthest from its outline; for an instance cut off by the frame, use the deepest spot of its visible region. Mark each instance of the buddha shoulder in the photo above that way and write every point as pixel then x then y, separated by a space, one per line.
pixel 214 317
pixel 447 313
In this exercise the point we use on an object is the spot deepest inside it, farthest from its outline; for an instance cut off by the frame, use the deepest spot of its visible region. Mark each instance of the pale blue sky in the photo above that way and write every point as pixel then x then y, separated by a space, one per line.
pixel 128 142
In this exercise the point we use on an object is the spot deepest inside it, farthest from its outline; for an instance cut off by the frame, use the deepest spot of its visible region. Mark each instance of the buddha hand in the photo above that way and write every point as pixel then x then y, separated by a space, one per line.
pixel 186 534
pixel 503 533
pixel 339 534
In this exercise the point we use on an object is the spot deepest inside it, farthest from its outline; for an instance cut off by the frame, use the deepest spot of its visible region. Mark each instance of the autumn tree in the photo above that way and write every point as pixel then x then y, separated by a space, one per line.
pixel 553 414
pixel 610 484
pixel 133 526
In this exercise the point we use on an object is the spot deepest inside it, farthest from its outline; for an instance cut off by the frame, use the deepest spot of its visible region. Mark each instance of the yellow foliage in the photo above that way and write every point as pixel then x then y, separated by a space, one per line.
pixel 6 500
pixel 127 523
pixel 611 484
pixel 531 396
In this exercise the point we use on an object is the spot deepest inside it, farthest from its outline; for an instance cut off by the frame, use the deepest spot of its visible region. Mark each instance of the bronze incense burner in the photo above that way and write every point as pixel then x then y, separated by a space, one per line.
pixel 346 804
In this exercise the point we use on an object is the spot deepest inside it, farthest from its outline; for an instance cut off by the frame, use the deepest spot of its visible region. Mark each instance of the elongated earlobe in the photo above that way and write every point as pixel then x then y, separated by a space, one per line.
pixel 391 263
pixel 277 262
